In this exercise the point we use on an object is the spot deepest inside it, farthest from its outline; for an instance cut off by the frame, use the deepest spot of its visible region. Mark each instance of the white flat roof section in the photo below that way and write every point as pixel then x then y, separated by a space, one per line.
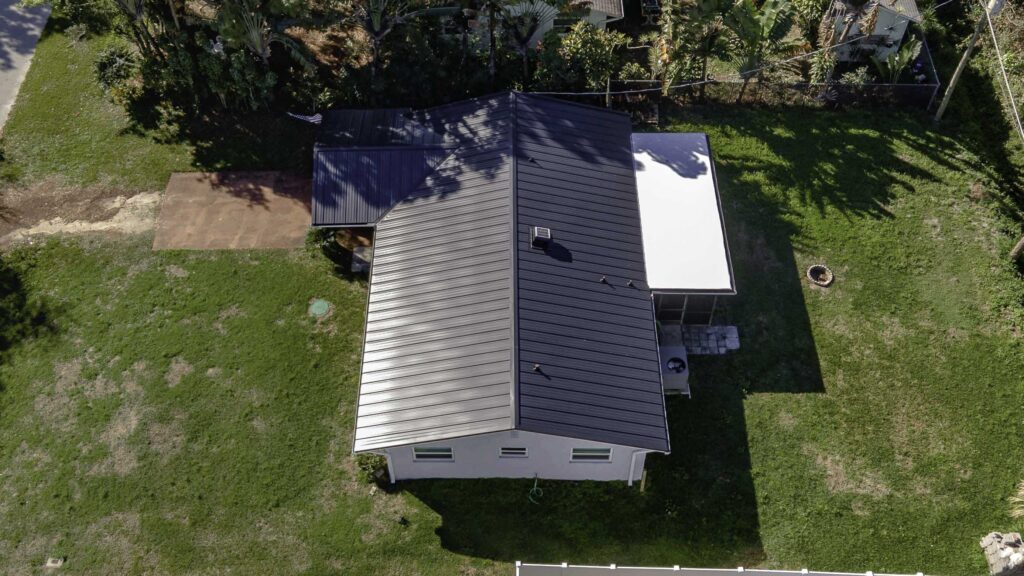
pixel 685 248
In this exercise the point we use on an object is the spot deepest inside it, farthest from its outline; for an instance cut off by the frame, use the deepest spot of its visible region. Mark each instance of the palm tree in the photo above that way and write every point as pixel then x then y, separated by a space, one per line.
pixel 522 21
pixel 760 33
pixel 378 18
pixel 252 30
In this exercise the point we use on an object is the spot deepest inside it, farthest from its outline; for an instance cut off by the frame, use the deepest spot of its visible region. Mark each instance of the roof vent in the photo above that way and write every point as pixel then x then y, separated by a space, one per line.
pixel 540 237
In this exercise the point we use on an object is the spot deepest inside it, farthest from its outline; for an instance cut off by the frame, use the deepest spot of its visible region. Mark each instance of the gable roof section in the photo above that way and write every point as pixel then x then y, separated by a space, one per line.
pixel 355 187
pixel 366 161
pixel 594 340
pixel 437 357
pixel 613 8
pixel 460 309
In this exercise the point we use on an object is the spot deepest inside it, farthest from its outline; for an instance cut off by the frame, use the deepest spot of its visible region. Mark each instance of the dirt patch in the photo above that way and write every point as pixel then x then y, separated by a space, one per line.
pixel 122 458
pixel 118 536
pixel 173 271
pixel 233 311
pixel 842 478
pixel 786 420
pixel 179 369
pixel 54 404
pixel 167 438
pixel 47 208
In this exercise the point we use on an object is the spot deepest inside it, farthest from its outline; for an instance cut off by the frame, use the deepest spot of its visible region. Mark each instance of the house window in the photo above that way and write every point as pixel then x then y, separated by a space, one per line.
pixel 591 455
pixel 512 453
pixel 432 454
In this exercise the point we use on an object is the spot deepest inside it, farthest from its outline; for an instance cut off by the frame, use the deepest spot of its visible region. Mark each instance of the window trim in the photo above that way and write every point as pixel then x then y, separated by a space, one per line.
pixel 593 451
pixel 436 450
pixel 503 454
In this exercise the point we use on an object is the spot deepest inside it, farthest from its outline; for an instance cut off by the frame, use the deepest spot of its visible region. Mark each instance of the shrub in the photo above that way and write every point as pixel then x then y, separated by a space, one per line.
pixel 634 71
pixel 585 58
pixel 369 464
pixel 856 77
pixel 115 66
pixel 1017 502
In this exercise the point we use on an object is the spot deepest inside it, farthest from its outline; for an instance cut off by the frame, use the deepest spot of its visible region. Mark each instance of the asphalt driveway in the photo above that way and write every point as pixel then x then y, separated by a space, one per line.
pixel 19 31
pixel 233 210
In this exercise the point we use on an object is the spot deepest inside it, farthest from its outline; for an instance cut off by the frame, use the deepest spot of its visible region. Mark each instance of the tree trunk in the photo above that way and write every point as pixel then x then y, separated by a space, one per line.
pixel 1017 250
pixel 703 74
pixel 174 13
pixel 743 89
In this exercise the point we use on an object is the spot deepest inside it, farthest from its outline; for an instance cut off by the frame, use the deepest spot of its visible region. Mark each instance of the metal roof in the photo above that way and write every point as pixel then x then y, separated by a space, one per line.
pixel 685 245
pixel 374 128
pixel 357 186
pixel 585 314
pixel 906 8
pixel 460 311
pixel 613 8
pixel 437 357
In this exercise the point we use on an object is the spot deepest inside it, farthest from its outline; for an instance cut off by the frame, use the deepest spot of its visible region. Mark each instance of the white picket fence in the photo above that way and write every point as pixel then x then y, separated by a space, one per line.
pixel 613 570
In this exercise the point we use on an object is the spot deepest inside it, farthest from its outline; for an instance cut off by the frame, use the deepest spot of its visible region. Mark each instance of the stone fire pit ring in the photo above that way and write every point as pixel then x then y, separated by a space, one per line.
pixel 820 275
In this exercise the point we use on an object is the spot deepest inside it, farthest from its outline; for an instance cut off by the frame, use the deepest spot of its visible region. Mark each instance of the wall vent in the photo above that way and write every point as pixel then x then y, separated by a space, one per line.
pixel 540 237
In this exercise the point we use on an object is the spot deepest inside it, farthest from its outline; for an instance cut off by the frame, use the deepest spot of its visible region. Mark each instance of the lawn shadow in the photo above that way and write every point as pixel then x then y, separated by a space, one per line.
pixel 257 187
pixel 697 507
pixel 23 314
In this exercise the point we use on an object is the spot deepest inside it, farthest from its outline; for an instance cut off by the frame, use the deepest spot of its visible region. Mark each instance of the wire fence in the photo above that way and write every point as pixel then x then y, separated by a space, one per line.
pixel 642 98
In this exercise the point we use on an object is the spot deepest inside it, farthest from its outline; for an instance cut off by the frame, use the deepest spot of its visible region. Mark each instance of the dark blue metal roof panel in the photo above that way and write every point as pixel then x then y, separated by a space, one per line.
pixel 358 186
pixel 587 343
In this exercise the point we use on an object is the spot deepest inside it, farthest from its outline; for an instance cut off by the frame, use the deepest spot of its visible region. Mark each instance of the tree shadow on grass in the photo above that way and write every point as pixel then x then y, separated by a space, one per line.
pixel 23 315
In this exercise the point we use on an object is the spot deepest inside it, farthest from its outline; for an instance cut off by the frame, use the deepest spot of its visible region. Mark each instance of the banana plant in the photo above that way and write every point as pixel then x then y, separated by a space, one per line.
pixel 896 63
pixel 760 32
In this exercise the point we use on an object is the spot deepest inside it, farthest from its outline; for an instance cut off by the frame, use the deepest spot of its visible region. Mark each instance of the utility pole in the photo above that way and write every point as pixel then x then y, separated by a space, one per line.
pixel 993 8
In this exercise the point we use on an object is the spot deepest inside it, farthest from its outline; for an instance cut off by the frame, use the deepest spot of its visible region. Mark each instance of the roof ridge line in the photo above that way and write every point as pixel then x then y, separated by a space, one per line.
pixel 514 209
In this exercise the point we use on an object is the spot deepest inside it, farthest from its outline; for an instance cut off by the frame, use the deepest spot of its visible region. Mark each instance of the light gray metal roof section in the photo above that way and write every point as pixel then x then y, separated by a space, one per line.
pixel 613 8
pixel 439 347
pixel 906 8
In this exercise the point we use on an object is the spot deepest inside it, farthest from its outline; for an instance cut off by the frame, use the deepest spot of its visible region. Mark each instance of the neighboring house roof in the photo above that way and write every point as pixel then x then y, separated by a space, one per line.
pixel 685 246
pixel 613 8
pixel 906 8
pixel 471 330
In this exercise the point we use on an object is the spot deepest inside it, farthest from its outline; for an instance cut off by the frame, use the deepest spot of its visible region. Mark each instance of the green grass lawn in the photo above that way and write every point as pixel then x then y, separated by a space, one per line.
pixel 179 412
pixel 64 127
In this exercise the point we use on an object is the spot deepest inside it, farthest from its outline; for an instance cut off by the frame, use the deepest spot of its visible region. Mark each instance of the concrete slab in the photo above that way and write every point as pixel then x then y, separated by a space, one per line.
pixel 19 31
pixel 233 210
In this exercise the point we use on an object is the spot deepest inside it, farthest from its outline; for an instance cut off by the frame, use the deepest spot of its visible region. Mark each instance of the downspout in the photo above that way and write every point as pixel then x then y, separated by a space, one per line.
pixel 632 464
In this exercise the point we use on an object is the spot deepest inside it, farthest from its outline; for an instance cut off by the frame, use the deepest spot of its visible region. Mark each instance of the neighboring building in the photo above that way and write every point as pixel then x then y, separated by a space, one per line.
pixel 510 328
pixel 600 13
pixel 879 28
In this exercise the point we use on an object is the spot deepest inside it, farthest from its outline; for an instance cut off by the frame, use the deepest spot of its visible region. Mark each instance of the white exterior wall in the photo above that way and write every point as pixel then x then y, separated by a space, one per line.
pixel 548 458
pixel 596 17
